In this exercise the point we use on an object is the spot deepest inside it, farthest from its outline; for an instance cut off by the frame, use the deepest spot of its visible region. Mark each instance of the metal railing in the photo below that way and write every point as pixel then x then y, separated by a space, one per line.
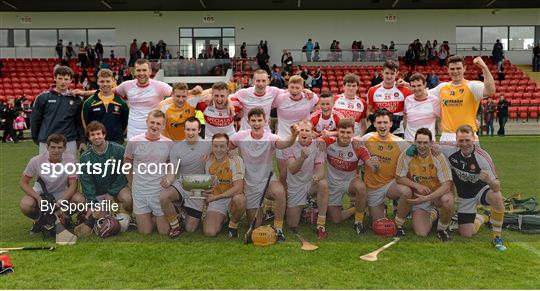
pixel 120 51
pixel 192 67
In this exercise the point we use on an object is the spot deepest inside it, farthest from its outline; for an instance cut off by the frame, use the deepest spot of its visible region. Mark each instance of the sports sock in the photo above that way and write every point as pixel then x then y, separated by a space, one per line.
pixel 399 221
pixel 233 225
pixel 173 220
pixel 441 226
pixel 321 221
pixel 479 220
pixel 278 224
pixel 433 215
pixel 359 217
pixel 268 204
pixel 350 211
pixel 496 222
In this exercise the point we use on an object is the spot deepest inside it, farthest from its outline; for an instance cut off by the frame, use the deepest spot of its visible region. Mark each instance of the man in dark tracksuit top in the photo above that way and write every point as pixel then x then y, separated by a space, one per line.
pixel 106 107
pixel 58 111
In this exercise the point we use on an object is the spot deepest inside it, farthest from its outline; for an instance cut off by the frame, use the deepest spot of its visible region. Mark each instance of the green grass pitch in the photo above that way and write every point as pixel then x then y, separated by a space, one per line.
pixel 133 261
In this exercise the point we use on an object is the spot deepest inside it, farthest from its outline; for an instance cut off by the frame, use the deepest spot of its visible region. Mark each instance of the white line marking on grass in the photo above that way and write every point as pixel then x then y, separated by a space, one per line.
pixel 529 248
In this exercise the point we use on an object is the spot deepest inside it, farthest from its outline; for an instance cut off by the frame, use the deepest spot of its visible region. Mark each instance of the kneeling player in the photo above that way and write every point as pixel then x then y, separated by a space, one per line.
pixel 61 185
pixel 476 183
pixel 428 176
pixel 142 151
pixel 305 162
pixel 227 195
pixel 257 147
pixel 112 184
pixel 343 158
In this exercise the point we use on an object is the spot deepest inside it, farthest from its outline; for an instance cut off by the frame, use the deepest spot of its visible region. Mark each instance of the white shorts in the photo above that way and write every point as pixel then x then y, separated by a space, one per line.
pixel 144 204
pixel 254 193
pixel 335 193
pixel 468 205
pixel 279 154
pixel 71 147
pixel 451 137
pixel 427 206
pixel 221 206
pixel 375 197
pixel 299 197
pixel 189 202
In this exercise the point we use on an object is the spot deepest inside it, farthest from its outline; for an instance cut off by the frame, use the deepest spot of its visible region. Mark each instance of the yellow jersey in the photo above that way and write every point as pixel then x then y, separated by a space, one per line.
pixel 226 172
pixel 431 171
pixel 388 152
pixel 459 103
pixel 176 116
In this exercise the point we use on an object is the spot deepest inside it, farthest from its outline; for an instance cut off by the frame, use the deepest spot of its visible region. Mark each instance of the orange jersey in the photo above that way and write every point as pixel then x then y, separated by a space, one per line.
pixel 431 171
pixel 459 103
pixel 388 152
pixel 226 172
pixel 176 116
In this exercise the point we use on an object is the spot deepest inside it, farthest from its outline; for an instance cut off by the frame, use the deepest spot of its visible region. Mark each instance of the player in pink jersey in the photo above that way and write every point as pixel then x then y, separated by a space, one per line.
pixel 325 120
pixel 216 115
pixel 421 109
pixel 343 158
pixel 62 186
pixel 292 107
pixel 388 95
pixel 350 105
pixel 257 147
pixel 142 151
pixel 305 162
pixel 260 95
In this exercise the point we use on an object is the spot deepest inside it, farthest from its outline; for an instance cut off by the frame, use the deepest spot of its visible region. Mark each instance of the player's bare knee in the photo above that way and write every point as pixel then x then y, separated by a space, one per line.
pixel 421 232
pixel 210 231
pixel 239 202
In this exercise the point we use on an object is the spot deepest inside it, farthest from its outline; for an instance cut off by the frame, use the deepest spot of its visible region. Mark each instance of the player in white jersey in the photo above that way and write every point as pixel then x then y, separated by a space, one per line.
pixel 217 117
pixel 350 105
pixel 421 109
pixel 305 162
pixel 62 186
pixel 388 95
pixel 325 120
pixel 145 152
pixel 344 157
pixel 292 107
pixel 260 95
pixel 189 156
pixel 257 147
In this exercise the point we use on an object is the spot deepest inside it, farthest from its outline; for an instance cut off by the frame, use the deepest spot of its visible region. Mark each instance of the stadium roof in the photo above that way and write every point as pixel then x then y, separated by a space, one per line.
pixel 210 5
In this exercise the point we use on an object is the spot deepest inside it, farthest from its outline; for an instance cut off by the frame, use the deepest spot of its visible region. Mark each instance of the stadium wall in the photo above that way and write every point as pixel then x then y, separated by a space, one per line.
pixel 285 29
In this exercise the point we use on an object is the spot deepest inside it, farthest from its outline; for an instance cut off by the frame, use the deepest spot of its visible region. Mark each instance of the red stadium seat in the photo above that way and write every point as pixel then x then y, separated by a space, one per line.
pixel 513 112
pixel 525 102
pixel 523 112
pixel 533 112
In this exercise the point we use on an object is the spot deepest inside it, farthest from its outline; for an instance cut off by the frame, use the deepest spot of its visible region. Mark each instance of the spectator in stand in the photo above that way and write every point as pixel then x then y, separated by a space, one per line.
pixel 422 56
pixel 429 50
pixel 500 72
pixel 179 56
pixel 262 60
pixel 286 76
pixel 276 79
pixel 202 55
pixel 168 55
pixel 283 58
pixel 355 51
pixel 70 53
pixel 144 50
pixel 226 54
pixel 318 79
pixel 432 80
pixel 309 49
pixel 502 113
pixel 59 49
pixel 376 80
pixel 497 54
pixel 333 50
pixel 133 48
pixel 338 51
pixel 289 62
pixel 316 51
pixel 151 51
pixel 91 53
pixel 260 46
pixel 111 56
pixel 435 49
pixel 536 58
pixel 442 55
pixel 243 51
pixel 99 50
pixel 83 58
pixel 161 49
pixel 410 56
pixel 489 115
pixel 392 46
pixel 265 47
pixel 308 79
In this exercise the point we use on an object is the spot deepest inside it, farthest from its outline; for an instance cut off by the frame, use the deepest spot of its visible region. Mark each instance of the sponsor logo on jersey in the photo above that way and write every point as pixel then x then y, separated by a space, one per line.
pixel 452 103
pixel 342 165
pixel 219 122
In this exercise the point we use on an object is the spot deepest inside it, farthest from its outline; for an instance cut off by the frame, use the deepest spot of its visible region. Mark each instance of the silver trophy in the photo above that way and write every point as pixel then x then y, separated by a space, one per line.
pixel 197 184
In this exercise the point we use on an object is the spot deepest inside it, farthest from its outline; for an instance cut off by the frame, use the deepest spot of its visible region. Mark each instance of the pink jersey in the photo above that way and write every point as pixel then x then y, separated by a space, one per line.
pixel 392 99
pixel 256 153
pixel 147 153
pixel 291 111
pixel 216 120
pixel 421 114
pixel 246 99
pixel 142 100
pixel 305 175
pixel 330 123
pixel 37 167
pixel 343 161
